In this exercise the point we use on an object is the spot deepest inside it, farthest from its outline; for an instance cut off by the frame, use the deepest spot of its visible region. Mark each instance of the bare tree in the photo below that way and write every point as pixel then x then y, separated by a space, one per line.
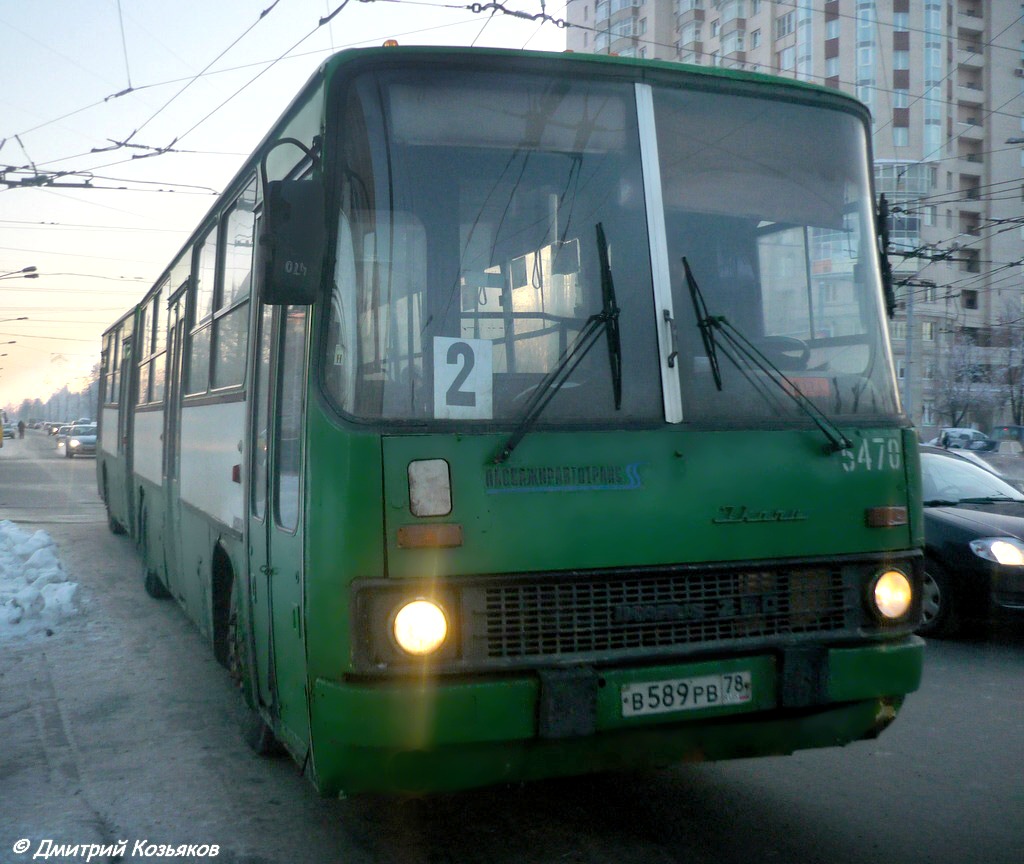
pixel 966 388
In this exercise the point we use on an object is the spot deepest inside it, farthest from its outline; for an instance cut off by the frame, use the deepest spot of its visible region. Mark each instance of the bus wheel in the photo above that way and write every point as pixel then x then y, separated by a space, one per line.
pixel 938 615
pixel 255 730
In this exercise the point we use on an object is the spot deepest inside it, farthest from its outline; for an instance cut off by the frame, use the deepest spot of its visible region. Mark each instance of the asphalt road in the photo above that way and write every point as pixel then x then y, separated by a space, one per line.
pixel 121 726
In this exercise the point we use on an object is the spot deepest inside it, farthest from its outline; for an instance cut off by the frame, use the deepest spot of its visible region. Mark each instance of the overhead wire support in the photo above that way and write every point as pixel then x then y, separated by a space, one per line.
pixel 543 16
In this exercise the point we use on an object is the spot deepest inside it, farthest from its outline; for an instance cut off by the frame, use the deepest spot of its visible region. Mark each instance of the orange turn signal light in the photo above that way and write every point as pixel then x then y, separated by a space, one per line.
pixel 432 536
pixel 885 517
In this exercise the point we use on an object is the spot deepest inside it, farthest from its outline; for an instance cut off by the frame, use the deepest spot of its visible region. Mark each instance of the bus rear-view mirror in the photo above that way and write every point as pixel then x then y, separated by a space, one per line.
pixel 290 251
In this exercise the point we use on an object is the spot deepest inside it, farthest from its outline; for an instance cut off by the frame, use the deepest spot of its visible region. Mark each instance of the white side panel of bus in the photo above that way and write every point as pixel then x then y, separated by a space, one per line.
pixel 211 437
pixel 108 436
pixel 148 455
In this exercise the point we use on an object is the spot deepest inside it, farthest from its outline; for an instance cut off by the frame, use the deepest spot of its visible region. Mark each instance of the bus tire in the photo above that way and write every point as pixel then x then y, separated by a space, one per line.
pixel 938 609
pixel 256 732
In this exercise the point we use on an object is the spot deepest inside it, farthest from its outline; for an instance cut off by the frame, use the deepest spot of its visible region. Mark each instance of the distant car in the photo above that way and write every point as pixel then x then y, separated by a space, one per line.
pixel 81 441
pixel 962 438
pixel 974 544
pixel 1008 433
pixel 62 434
pixel 9 430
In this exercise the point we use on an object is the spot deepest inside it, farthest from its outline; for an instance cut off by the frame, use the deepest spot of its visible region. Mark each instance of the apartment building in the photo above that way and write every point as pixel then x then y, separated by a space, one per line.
pixel 944 80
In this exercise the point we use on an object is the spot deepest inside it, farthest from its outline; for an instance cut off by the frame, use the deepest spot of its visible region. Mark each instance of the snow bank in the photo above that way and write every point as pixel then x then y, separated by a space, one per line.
pixel 35 594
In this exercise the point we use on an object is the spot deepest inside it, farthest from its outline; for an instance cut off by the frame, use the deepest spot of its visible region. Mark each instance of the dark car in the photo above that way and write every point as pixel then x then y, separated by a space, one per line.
pixel 81 441
pixel 974 544
pixel 1006 461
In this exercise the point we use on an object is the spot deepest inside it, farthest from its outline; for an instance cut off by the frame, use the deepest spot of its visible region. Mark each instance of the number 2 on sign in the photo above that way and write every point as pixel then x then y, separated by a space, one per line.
pixel 463 388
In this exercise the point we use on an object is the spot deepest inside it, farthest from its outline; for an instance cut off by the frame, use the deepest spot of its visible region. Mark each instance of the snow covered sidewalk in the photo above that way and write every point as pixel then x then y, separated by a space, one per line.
pixel 35 594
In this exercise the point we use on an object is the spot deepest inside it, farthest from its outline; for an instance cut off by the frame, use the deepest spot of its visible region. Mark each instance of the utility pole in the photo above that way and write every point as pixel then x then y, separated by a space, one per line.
pixel 908 369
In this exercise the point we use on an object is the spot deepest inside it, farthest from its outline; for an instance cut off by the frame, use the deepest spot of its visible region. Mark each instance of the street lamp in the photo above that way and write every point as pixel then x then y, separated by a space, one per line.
pixel 24 273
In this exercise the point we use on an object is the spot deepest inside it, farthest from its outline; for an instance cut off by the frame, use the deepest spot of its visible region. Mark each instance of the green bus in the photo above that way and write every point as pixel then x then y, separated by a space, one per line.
pixel 514 415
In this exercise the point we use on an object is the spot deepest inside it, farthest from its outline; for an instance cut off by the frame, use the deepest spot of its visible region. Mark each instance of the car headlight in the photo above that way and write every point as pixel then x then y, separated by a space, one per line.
pixel 892 594
pixel 1008 551
pixel 420 627
pixel 74 442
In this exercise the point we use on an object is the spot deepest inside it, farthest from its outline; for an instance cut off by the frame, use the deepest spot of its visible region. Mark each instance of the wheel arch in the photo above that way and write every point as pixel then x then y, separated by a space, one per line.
pixel 223 573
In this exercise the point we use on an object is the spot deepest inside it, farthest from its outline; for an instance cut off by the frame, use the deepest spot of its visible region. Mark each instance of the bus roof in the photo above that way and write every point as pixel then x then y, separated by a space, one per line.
pixel 629 65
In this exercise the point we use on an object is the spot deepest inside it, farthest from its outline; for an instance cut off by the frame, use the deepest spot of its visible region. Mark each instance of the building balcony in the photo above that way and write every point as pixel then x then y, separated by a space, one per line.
pixel 970 162
pixel 971 203
pixel 970 58
pixel 732 25
pixel 620 43
pixel 973 24
pixel 970 94
pixel 967 131
pixel 688 17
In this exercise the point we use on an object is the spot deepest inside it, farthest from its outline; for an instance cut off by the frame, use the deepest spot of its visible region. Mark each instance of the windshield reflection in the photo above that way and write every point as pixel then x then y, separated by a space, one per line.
pixel 947 479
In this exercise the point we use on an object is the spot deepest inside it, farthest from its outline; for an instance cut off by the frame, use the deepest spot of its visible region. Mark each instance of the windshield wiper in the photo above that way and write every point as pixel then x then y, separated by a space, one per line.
pixel 704 323
pixel 610 310
pixel 606 320
pixel 748 358
pixel 990 499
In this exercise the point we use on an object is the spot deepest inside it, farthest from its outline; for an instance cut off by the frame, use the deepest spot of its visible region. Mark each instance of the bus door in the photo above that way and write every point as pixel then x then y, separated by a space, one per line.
pixel 126 410
pixel 276 519
pixel 126 404
pixel 172 428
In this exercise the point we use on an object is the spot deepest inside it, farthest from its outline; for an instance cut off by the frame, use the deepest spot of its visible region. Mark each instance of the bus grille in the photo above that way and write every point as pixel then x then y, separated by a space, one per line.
pixel 621 614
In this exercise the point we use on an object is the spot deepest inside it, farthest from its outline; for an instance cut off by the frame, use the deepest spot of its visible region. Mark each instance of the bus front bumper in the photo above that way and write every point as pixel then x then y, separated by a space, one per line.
pixel 439 735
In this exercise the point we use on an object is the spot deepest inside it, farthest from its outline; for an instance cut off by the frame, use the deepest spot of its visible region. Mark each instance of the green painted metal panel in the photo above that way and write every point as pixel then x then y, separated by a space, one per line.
pixel 344 535
pixel 869 671
pixel 578 499
pixel 342 765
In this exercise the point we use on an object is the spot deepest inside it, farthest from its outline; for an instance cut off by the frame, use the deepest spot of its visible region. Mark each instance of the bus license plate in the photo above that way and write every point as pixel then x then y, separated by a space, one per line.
pixel 686 694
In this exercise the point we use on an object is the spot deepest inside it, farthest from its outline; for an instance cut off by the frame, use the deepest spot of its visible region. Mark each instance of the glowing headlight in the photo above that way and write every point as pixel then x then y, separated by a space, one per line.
pixel 1003 550
pixel 74 442
pixel 893 594
pixel 420 627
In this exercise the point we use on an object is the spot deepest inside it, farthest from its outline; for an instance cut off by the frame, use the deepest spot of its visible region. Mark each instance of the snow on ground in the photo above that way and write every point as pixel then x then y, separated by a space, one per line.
pixel 35 594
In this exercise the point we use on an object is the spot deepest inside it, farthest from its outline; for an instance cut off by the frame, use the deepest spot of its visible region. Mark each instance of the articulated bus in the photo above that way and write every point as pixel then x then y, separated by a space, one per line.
pixel 514 415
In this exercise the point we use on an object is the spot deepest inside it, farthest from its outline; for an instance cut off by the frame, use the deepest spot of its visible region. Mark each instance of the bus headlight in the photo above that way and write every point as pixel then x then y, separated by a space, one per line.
pixel 420 627
pixel 892 594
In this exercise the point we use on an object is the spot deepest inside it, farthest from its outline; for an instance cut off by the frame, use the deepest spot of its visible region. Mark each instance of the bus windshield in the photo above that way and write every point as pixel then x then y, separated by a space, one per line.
pixel 466 260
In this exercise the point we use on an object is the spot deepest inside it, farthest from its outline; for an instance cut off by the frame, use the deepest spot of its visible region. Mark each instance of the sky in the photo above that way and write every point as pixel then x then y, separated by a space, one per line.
pixel 151 107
